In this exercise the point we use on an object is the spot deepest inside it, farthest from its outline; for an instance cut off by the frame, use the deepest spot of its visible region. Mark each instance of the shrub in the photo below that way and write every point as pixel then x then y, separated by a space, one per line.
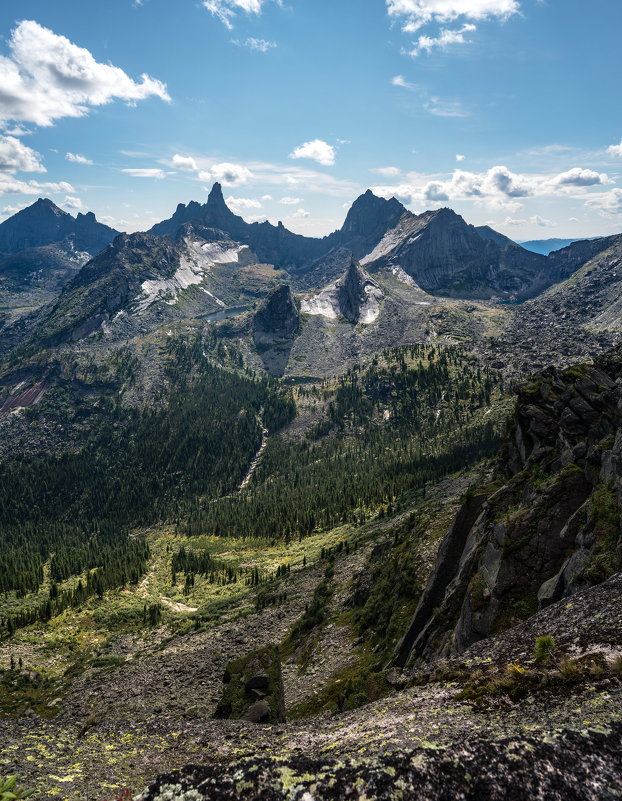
pixel 544 650
pixel 9 789
pixel 570 669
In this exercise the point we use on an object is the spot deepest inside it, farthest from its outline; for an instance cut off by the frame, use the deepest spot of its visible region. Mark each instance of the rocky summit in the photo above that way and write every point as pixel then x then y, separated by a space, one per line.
pixel 286 517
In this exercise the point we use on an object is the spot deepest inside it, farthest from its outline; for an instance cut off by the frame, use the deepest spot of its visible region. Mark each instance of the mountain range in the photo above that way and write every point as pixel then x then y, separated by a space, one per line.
pixel 270 502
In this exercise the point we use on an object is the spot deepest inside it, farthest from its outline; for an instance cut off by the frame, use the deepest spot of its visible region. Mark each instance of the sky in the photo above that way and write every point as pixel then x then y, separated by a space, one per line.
pixel 506 111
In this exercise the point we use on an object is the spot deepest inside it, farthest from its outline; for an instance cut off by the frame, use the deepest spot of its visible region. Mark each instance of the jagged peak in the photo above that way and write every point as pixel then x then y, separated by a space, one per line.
pixel 216 197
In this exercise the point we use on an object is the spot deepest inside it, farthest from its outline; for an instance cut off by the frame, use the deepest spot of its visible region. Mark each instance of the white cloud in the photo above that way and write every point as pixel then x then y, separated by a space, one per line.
pixel 388 172
pixel 290 201
pixel 608 203
pixel 76 158
pixel 71 202
pixel 445 38
pixel 581 177
pixel 16 156
pixel 497 187
pixel 46 77
pixel 317 150
pixel 460 157
pixel 513 222
pixel 421 12
pixel 184 163
pixel 243 203
pixel 136 172
pixel 260 45
pixel 227 174
pixel 416 14
pixel 541 222
pixel 266 198
pixel 10 186
pixel 400 81
pixel 17 130
pixel 615 150
pixel 301 214
pixel 226 10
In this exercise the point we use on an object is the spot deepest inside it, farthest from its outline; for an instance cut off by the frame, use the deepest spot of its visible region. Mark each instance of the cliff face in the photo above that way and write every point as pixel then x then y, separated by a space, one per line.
pixel 444 255
pixel 278 318
pixel 546 527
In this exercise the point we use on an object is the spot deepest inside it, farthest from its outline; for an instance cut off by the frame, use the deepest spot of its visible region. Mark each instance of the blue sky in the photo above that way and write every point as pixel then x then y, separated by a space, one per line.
pixel 505 110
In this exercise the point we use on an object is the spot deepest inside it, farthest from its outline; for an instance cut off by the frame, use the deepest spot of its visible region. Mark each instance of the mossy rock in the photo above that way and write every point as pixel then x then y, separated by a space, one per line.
pixel 253 688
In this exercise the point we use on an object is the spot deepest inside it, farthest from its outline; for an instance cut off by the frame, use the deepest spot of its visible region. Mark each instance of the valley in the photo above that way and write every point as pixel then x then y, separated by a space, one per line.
pixel 367 473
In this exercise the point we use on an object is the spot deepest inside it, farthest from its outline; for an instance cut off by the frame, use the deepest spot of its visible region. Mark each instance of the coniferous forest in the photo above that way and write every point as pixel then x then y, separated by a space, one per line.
pixel 409 417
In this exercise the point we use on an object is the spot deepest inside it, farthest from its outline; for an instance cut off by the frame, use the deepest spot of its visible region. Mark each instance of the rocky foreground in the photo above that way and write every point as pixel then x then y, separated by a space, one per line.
pixel 582 766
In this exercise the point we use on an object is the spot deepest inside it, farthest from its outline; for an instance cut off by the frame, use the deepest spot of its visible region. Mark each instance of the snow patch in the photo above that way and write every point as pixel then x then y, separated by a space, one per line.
pixel 194 266
pixel 325 304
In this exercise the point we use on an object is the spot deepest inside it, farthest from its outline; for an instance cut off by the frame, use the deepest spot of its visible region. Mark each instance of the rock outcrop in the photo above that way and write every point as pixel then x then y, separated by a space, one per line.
pixel 570 767
pixel 278 318
pixel 546 527
pixel 253 689
pixel 355 297
pixel 446 256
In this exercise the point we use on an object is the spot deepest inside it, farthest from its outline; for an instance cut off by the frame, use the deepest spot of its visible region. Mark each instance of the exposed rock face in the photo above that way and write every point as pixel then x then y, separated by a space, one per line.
pixel 368 220
pixel 437 250
pixel 107 284
pixel 444 255
pixel 356 297
pixel 571 767
pixel 44 223
pixel 278 318
pixel 546 528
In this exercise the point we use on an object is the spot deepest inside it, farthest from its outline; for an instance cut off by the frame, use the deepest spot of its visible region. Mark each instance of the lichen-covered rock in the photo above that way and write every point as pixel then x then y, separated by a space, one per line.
pixel 572 767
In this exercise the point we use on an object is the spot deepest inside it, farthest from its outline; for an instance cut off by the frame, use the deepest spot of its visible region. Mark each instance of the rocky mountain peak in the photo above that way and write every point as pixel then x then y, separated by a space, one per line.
pixel 216 197
pixel 278 317
pixel 44 223
pixel 369 213
pixel 359 295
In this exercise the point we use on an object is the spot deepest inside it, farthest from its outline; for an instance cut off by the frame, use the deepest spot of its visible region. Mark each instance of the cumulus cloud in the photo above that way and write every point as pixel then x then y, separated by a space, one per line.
pixel 317 150
pixel 301 214
pixel 615 150
pixel 17 157
pixel 421 12
pixel 581 177
pixel 497 187
pixel 227 174
pixel 46 77
pixel 608 203
pixel 445 38
pixel 416 14
pixel 243 203
pixel 460 157
pixel 138 172
pixel 10 186
pixel 184 163
pixel 226 10
pixel 72 202
pixel 290 201
pixel 76 158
